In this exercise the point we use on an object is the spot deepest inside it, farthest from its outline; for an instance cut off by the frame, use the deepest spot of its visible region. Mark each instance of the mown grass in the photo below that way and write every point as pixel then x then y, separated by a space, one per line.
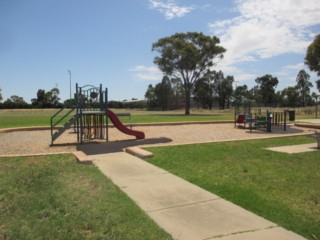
pixel 53 197
pixel 41 117
pixel 26 117
pixel 280 187
pixel 153 118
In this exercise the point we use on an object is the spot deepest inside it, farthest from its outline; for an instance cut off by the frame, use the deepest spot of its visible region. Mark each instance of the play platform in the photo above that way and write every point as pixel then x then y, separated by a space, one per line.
pixel 308 123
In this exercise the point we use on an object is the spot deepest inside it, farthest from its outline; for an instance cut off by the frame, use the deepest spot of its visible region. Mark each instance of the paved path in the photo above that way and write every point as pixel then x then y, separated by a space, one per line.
pixel 301 148
pixel 182 209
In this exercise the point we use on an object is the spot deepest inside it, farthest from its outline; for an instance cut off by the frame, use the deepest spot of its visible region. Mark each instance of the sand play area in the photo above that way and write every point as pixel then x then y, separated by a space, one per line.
pixel 38 142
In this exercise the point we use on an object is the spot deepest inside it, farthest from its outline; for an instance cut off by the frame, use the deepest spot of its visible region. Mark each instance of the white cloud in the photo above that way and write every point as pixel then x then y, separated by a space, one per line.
pixel 144 73
pixel 169 8
pixel 288 70
pixel 267 28
pixel 143 68
pixel 239 74
pixel 288 74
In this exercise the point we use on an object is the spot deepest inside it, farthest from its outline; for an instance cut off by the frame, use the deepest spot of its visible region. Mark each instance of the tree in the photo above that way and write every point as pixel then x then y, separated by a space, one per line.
pixel 203 92
pixel 227 90
pixel 0 95
pixel 53 97
pixel 222 88
pixel 265 89
pixel 241 94
pixel 47 99
pixel 303 85
pixel 151 97
pixel 178 98
pixel 187 57
pixel 318 84
pixel 41 99
pixel 15 102
pixel 163 93
pixel 70 103
pixel 312 59
pixel 18 100
pixel 254 94
pixel 217 78
pixel 290 96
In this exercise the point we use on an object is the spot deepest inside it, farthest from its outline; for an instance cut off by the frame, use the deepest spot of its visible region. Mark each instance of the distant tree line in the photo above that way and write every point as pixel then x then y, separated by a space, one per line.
pixel 265 94
pixel 188 58
pixel 215 90
pixel 49 99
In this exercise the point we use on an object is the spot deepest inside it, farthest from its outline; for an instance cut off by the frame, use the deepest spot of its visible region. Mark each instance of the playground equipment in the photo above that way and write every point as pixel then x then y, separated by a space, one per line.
pixel 91 118
pixel 316 135
pixel 243 117
pixel 242 113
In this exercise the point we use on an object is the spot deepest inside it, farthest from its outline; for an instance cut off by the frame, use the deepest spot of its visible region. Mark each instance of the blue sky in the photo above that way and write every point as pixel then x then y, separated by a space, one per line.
pixel 109 42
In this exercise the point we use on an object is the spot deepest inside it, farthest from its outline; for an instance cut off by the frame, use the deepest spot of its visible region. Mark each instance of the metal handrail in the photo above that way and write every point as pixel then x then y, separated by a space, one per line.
pixel 62 118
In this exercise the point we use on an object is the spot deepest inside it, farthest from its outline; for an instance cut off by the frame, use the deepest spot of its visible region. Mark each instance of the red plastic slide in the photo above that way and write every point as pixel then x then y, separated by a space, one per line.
pixel 118 124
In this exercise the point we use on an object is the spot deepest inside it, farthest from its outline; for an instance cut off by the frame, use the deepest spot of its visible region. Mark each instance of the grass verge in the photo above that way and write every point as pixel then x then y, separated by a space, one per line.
pixel 53 197
pixel 280 187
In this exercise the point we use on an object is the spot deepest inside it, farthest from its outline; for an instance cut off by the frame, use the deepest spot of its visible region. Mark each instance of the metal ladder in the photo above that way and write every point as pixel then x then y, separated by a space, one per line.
pixel 62 129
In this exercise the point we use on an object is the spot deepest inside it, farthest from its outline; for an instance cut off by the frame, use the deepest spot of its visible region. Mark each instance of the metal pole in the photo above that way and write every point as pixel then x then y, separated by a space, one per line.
pixel 77 107
pixel 70 81
pixel 81 120
pixel 317 106
pixel 107 120
pixel 285 120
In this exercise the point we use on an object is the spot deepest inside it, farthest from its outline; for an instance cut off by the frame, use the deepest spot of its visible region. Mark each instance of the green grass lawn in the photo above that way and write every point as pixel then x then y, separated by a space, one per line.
pixel 25 117
pixel 41 117
pixel 280 187
pixel 152 118
pixel 54 197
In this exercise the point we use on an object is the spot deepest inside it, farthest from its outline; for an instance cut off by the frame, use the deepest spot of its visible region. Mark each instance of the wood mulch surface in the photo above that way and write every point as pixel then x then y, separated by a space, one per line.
pixel 38 142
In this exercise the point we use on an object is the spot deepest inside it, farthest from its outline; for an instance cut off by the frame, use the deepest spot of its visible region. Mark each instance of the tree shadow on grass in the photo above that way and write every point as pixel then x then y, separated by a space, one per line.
pixel 93 148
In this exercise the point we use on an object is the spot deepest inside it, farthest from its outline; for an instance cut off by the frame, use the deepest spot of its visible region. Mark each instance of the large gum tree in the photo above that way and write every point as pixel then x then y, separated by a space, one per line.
pixel 187 57
pixel 312 59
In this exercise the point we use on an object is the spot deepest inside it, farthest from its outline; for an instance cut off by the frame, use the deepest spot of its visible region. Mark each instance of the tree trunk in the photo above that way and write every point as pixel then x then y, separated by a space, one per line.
pixel 188 96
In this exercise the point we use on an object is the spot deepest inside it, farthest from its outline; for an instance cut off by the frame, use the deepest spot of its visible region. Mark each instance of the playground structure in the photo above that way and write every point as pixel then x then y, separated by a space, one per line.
pixel 245 118
pixel 90 120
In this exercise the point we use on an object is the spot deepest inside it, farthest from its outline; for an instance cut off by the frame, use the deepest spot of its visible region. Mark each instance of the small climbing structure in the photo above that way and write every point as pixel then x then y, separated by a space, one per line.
pixel 92 110
pixel 89 116
pixel 244 117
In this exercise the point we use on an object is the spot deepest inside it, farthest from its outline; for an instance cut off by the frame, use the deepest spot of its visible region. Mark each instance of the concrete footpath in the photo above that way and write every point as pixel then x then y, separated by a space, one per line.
pixel 184 210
